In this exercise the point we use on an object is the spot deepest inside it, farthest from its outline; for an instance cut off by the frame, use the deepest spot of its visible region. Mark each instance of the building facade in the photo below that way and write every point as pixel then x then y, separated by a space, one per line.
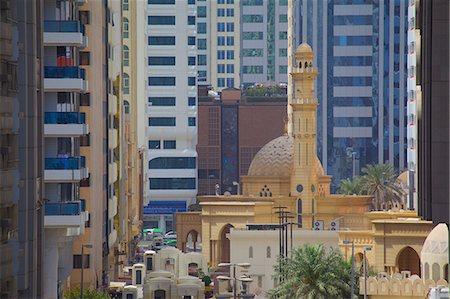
pixel 171 110
pixel 362 52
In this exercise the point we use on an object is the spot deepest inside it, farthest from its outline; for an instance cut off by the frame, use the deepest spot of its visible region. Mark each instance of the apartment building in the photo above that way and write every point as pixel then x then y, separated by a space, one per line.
pixel 361 52
pixel 21 148
pixel 172 110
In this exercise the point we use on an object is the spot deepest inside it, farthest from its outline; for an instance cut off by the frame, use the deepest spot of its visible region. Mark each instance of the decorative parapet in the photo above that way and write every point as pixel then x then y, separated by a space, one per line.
pixel 305 101
pixel 305 70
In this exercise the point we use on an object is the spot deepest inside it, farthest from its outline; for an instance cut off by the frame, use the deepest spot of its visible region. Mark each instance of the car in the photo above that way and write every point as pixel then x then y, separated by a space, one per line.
pixel 170 235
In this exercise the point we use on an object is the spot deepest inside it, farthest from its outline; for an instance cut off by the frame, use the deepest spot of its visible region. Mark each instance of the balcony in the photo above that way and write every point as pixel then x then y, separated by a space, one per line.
pixel 112 138
pixel 70 169
pixel 112 172
pixel 112 207
pixel 64 214
pixel 65 79
pixel 58 124
pixel 64 33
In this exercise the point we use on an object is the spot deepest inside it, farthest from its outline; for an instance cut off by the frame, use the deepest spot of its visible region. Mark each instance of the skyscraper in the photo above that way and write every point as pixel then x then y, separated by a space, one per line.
pixel 361 50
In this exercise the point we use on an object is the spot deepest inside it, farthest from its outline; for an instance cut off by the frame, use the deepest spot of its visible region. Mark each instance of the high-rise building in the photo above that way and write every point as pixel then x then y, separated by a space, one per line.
pixel 361 50
pixel 264 44
pixel 172 110
pixel 431 22
pixel 21 149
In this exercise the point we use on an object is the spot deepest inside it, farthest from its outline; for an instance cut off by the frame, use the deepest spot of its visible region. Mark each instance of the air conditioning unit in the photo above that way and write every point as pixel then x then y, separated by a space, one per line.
pixel 334 225
pixel 318 225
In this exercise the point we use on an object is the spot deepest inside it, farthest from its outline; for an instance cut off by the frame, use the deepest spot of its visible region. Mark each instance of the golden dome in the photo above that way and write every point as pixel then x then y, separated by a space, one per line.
pixel 304 48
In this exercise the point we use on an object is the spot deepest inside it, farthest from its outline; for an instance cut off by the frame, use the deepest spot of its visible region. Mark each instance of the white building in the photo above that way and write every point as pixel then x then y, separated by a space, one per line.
pixel 172 110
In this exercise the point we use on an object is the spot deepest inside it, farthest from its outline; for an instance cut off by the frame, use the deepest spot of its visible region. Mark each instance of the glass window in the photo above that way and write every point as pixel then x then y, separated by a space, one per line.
pixel 252 2
pixel 126 107
pixel 201 11
pixel 221 27
pixel 283 2
pixel 126 56
pixel 201 28
pixel 282 69
pixel 282 52
pixel 230 40
pixel 191 60
pixel 221 40
pixel 282 35
pixel 77 261
pixel 230 68
pixel 161 60
pixel 230 12
pixel 230 54
pixel 220 1
pixel 191 2
pixel 282 18
pixel 220 54
pixel 252 35
pixel 201 59
pixel 191 40
pixel 161 121
pixel 161 20
pixel 172 183
pixel 230 1
pixel 126 83
pixel 252 18
pixel 154 144
pixel 125 27
pixel 201 76
pixel 161 40
pixel 230 82
pixel 191 20
pixel 170 144
pixel 161 101
pixel 191 121
pixel 230 27
pixel 125 5
pixel 161 1
pixel 252 52
pixel 191 81
pixel 252 69
pixel 201 43
pixel 221 68
pixel 191 100
pixel 172 163
pixel 161 81
pixel 221 12
pixel 221 82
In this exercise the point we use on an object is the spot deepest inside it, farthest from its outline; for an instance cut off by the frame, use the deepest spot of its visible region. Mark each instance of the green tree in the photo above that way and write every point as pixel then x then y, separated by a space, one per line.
pixel 75 293
pixel 379 181
pixel 351 186
pixel 312 272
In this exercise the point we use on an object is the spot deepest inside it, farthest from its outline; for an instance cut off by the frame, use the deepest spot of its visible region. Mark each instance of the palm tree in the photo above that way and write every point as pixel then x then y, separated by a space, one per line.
pixel 379 181
pixel 312 272
pixel 351 186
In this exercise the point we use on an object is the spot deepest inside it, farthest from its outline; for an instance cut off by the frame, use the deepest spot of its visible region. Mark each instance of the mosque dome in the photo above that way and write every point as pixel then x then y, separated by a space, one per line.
pixel 435 251
pixel 304 48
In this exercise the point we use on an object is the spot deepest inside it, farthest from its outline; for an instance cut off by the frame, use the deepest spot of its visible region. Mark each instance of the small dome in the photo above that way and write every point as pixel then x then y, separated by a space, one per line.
pixel 437 241
pixel 304 48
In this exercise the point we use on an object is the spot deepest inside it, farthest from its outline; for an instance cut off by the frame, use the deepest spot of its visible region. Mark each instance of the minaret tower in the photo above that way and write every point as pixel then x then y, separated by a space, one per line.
pixel 303 118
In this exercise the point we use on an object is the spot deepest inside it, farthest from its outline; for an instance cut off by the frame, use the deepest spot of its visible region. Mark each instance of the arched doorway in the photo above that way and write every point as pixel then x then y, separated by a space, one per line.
pixel 193 242
pixel 160 294
pixel 224 247
pixel 408 260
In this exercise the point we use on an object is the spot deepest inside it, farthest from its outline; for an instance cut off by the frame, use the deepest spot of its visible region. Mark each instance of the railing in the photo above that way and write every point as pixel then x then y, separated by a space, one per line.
pixel 64 72
pixel 63 26
pixel 65 117
pixel 62 208
pixel 65 163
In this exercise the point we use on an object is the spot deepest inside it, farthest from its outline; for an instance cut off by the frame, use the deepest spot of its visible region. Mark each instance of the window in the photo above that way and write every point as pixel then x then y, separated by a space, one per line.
pixel 161 81
pixel 221 68
pixel 230 82
pixel 191 20
pixel 282 69
pixel 230 54
pixel 191 60
pixel 126 83
pixel 220 54
pixel 172 163
pixel 172 183
pixel 154 144
pixel 201 11
pixel 191 101
pixel 230 12
pixel 282 35
pixel 125 27
pixel 252 52
pixel 201 27
pixel 230 1
pixel 77 261
pixel 230 40
pixel 221 40
pixel 252 18
pixel 191 2
pixel 268 252
pixel 201 43
pixel 170 144
pixel 161 1
pixel 230 27
pixel 126 107
pixel 161 60
pixel 161 121
pixel 191 40
pixel 282 52
pixel 283 2
pixel 221 82
pixel 220 1
pixel 252 35
pixel 250 252
pixel 252 69
pixel 252 2
pixel 230 68
pixel 191 81
pixel 282 18
pixel 161 20
pixel 85 57
pixel 161 40
pixel 161 101
pixel 191 122
pixel 299 212
pixel 201 59
pixel 84 17
pixel 220 27
pixel 221 12
pixel 125 5
pixel 126 56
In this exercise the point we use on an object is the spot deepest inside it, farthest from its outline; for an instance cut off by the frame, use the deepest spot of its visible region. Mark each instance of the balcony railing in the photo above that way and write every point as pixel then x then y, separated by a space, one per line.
pixel 63 26
pixel 65 117
pixel 65 163
pixel 57 72
pixel 62 208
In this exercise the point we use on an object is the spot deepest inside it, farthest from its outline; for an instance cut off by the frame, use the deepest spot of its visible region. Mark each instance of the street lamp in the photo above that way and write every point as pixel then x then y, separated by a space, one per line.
pixel 365 248
pixel 238 187
pixel 347 242
pixel 234 265
pixel 87 245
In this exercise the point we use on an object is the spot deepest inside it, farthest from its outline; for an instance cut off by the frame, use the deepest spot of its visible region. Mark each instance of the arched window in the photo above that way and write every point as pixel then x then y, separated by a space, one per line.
pixel 125 27
pixel 125 5
pixel 299 212
pixel 126 56
pixel 126 83
pixel 250 252
pixel 126 107
pixel 268 252
pixel 435 272
pixel 427 271
pixel 446 272
pixel 300 64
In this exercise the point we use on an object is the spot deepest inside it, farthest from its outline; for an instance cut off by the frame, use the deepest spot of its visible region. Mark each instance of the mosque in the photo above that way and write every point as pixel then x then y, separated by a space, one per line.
pixel 287 172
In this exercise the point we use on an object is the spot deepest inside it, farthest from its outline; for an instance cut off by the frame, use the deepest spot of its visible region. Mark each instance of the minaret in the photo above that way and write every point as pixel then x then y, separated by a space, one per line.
pixel 303 118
